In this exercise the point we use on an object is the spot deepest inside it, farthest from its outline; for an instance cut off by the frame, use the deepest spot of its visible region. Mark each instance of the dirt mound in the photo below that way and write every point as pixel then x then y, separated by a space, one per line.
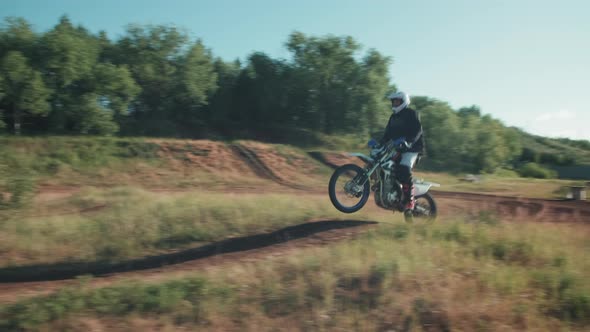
pixel 279 163
pixel 284 163
pixel 203 155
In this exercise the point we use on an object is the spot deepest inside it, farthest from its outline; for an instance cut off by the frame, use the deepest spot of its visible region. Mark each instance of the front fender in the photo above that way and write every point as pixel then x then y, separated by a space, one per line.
pixel 365 158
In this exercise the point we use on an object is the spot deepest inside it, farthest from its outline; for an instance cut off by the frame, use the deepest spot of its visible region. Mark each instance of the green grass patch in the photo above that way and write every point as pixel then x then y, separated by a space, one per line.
pixel 47 155
pixel 26 161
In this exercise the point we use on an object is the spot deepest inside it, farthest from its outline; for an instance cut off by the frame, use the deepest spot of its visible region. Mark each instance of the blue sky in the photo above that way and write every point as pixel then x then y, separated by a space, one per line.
pixel 524 62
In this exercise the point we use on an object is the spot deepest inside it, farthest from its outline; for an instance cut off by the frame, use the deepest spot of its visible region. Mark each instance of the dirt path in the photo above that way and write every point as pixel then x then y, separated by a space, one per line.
pixel 513 208
pixel 449 203
pixel 231 251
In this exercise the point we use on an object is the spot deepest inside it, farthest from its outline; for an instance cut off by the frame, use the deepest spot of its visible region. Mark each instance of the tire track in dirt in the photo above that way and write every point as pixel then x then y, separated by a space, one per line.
pixel 320 157
pixel 260 168
pixel 48 272
pixel 17 283
pixel 335 160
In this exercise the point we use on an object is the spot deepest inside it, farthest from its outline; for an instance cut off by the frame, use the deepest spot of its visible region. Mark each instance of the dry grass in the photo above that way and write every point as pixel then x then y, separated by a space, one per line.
pixel 126 222
pixel 447 276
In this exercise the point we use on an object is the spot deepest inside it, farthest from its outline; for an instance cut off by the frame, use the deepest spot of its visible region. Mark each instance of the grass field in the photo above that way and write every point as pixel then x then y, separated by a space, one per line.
pixel 135 198
pixel 481 275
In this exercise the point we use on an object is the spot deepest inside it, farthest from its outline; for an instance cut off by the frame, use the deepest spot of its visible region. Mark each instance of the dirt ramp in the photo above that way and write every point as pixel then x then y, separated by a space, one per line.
pixel 259 167
pixel 282 164
pixel 203 155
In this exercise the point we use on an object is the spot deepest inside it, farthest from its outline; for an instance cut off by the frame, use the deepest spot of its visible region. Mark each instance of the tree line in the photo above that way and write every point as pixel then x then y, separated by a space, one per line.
pixel 157 81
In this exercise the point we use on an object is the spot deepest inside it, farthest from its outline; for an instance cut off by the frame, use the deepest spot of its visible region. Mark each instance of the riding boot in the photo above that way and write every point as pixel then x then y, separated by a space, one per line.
pixel 408 196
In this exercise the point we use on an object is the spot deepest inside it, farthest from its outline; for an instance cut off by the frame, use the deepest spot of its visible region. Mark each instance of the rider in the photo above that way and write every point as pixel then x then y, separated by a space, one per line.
pixel 405 129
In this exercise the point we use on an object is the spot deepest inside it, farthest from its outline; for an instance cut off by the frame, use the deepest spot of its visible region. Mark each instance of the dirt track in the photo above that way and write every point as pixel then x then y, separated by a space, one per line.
pixel 513 208
pixel 449 203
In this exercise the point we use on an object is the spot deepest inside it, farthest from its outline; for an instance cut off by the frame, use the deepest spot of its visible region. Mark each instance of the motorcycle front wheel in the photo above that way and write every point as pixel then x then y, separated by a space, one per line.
pixel 349 188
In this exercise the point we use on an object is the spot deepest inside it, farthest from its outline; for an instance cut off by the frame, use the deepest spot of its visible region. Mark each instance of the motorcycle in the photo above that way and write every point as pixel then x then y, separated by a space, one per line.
pixel 350 185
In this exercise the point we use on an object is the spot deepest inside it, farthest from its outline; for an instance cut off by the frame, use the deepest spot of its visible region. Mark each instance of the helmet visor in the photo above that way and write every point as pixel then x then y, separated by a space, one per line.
pixel 395 102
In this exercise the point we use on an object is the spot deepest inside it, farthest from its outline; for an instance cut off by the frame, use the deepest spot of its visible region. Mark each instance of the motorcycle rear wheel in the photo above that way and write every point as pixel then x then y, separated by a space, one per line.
pixel 424 209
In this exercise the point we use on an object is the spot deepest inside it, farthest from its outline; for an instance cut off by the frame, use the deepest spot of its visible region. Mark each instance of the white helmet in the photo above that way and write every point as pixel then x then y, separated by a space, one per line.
pixel 399 95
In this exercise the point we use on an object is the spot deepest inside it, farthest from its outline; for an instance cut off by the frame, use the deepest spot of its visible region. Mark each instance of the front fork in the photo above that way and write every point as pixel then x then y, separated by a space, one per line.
pixel 357 185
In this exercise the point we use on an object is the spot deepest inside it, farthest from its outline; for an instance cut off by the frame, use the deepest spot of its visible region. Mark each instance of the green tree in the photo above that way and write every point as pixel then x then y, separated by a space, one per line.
pixel 464 140
pixel 442 134
pixel 150 53
pixel 90 117
pixel 69 56
pixel 222 103
pixel 262 94
pixel 492 150
pixel 421 102
pixel 513 142
pixel 16 34
pixel 470 123
pixel 372 90
pixel 469 112
pixel 69 53
pixel 176 79
pixel 90 94
pixel 2 123
pixel 332 75
pixel 115 90
pixel 195 83
pixel 24 90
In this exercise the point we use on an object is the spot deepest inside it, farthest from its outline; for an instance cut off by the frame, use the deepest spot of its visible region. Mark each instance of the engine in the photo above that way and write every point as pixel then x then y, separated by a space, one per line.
pixel 386 194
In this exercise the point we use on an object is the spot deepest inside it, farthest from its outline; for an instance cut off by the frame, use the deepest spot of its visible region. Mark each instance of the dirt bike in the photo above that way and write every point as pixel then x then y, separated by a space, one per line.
pixel 350 185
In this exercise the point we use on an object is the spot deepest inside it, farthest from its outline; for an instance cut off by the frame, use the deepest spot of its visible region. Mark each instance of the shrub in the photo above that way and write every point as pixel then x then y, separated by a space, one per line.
pixel 533 170
pixel 16 181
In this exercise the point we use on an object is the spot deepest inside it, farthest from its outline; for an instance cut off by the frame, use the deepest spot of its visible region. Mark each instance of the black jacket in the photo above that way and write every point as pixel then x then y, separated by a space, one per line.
pixel 405 123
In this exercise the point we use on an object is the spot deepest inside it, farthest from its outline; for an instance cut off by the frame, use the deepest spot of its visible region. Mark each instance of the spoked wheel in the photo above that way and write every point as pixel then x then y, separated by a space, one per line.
pixel 424 209
pixel 349 188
